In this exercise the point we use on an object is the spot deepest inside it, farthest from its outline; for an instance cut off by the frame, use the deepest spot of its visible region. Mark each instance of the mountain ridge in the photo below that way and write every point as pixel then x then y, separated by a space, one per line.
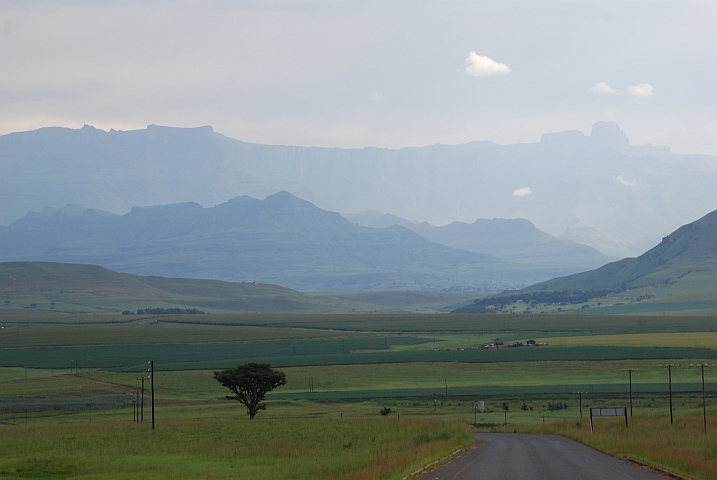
pixel 516 240
pixel 280 240
pixel 629 193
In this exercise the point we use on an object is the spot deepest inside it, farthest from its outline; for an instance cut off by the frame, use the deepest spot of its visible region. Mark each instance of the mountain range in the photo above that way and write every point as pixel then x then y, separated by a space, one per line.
pixel 516 240
pixel 687 255
pixel 680 273
pixel 597 190
pixel 281 240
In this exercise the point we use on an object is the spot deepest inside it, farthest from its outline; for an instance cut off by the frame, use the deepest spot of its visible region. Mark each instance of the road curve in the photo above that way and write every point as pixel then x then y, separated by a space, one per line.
pixel 518 456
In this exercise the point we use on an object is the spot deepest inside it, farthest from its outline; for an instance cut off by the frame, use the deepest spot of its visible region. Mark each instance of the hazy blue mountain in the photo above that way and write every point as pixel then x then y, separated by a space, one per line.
pixel 633 195
pixel 517 240
pixel 281 240
pixel 374 219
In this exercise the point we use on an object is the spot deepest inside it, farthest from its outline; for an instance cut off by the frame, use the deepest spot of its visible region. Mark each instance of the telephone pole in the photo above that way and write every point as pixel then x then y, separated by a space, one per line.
pixel 669 379
pixel 704 402
pixel 151 377
pixel 141 404
pixel 630 370
pixel 581 402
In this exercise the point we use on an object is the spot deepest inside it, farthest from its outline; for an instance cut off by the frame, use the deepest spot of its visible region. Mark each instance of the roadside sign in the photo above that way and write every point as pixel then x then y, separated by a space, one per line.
pixel 607 412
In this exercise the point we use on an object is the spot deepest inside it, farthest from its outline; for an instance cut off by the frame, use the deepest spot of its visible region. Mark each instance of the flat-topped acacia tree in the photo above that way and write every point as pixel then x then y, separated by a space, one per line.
pixel 250 383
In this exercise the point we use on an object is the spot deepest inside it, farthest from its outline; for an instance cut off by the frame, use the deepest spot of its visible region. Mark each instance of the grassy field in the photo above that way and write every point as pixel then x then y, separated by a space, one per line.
pixel 44 287
pixel 346 382
pixel 682 448
pixel 280 449
pixel 358 364
pixel 706 340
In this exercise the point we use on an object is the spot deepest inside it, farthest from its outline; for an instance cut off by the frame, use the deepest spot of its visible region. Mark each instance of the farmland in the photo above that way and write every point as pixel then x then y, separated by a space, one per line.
pixel 85 368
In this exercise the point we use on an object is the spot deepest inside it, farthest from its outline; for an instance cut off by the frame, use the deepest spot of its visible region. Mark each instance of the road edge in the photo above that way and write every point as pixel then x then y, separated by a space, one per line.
pixel 440 462
pixel 655 468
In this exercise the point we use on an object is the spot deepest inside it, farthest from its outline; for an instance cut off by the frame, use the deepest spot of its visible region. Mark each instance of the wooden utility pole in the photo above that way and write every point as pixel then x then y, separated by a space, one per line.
pixel 630 370
pixel 151 369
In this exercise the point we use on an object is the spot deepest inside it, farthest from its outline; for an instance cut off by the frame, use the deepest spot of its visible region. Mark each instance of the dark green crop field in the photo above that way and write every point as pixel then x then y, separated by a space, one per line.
pixel 430 323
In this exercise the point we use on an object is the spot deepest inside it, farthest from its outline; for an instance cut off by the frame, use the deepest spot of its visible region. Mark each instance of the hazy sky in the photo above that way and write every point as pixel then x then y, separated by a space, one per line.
pixel 363 73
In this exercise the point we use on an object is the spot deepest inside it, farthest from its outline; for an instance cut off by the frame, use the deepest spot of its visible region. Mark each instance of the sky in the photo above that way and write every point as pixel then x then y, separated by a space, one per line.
pixel 365 73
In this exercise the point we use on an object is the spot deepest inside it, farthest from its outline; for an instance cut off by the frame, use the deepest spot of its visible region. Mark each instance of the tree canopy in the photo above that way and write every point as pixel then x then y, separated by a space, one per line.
pixel 250 383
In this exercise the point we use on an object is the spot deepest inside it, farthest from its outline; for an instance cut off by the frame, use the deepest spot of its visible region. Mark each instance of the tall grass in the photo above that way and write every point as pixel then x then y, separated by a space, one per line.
pixel 358 449
pixel 682 447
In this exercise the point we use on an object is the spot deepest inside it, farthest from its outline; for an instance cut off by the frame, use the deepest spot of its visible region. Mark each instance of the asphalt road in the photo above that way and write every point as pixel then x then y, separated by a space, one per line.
pixel 517 456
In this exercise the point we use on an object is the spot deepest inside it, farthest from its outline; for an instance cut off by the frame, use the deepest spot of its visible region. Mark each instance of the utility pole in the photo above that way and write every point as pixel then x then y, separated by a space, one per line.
pixel 151 370
pixel 630 370
pixel 669 379
pixel 136 394
pixel 704 404
pixel 142 404
pixel 669 370
pixel 704 401
pixel 581 402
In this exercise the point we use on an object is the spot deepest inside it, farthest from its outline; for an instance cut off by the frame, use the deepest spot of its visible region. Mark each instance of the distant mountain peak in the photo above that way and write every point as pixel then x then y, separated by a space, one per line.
pixel 610 134
pixel 286 201
pixel 566 138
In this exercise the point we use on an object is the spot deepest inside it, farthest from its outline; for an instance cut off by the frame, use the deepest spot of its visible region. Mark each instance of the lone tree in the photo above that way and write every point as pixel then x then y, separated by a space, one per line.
pixel 250 383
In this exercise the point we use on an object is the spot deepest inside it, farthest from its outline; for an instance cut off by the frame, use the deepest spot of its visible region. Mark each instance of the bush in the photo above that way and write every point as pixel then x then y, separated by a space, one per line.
pixel 385 411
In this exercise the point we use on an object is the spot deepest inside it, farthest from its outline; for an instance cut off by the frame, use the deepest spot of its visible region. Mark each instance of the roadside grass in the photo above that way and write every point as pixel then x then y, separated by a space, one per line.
pixel 683 447
pixel 347 448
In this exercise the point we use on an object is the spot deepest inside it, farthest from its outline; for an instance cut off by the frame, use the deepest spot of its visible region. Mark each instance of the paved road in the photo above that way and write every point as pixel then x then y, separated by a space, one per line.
pixel 517 456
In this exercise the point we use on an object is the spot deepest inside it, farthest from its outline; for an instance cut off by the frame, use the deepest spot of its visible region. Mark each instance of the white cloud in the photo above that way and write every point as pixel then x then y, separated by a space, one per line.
pixel 482 66
pixel 522 192
pixel 602 87
pixel 624 181
pixel 376 96
pixel 642 90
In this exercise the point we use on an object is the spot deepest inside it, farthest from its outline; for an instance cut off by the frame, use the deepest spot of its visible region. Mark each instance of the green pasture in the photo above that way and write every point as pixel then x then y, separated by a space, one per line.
pixel 704 340
pixel 318 352
pixel 150 332
pixel 496 324
pixel 288 448
pixel 335 382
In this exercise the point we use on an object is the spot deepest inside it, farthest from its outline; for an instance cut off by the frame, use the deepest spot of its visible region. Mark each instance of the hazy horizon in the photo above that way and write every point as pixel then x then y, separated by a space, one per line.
pixel 365 74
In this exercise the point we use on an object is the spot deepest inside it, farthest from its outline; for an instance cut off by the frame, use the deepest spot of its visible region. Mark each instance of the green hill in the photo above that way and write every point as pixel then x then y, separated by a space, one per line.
pixel 34 287
pixel 691 250
pixel 679 273
pixel 44 287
